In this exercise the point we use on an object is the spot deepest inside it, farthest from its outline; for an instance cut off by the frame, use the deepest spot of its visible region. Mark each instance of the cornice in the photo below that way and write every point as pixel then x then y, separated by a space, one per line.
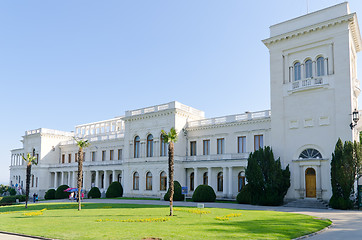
pixel 149 115
pixel 351 18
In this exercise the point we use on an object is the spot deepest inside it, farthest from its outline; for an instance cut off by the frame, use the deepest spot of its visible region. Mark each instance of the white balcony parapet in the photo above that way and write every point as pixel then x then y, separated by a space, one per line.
pixel 217 157
pixel 49 131
pixel 107 127
pixel 308 83
pixel 106 137
pixel 229 119
pixel 162 107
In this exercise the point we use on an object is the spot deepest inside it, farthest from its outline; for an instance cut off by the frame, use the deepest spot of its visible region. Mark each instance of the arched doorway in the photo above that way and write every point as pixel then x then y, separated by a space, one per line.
pixel 310 183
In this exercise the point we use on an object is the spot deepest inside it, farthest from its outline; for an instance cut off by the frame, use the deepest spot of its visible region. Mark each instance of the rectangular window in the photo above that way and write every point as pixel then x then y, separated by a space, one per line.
pixel 220 145
pixel 206 144
pixel 119 154
pixel 242 144
pixel 258 142
pixel 32 180
pixel 193 148
pixel 69 158
pixel 36 182
pixel 93 156
pixel 111 154
pixel 103 155
pixel 84 156
pixel 63 158
pixel 37 158
pixel 76 157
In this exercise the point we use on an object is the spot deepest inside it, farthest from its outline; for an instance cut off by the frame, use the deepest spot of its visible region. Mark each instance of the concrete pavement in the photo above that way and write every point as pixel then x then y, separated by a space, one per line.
pixel 346 224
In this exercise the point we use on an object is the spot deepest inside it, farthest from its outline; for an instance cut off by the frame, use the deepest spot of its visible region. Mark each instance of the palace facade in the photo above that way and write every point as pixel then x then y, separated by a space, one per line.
pixel 314 91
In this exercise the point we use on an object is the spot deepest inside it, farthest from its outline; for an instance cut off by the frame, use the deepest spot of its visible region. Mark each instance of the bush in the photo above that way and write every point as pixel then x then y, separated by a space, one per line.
pixel 177 195
pixel 268 182
pixel 204 193
pixel 340 203
pixel 12 191
pixel 50 194
pixel 60 194
pixel 21 198
pixel 8 200
pixel 244 195
pixel 94 193
pixel 114 190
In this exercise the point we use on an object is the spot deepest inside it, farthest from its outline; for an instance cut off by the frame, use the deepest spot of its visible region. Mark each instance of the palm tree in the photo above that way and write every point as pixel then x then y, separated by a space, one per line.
pixel 29 161
pixel 81 144
pixel 170 138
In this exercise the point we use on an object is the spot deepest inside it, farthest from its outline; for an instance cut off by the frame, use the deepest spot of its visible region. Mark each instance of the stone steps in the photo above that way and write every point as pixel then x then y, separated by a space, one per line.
pixel 307 203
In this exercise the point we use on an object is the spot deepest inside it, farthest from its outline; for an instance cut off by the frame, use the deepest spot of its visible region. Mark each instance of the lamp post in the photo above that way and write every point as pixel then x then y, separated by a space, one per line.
pixel 355 118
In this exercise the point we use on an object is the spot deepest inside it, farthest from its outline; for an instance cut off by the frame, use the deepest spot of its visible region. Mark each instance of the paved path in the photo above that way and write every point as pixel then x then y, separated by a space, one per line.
pixel 347 225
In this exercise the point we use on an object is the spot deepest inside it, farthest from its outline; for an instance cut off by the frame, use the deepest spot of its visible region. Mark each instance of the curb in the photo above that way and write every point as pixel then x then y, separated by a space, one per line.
pixel 28 236
pixel 315 233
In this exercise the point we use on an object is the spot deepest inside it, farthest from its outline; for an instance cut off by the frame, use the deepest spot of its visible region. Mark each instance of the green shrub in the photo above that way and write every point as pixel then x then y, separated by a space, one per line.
pixel 94 193
pixel 8 200
pixel 244 195
pixel 50 194
pixel 12 191
pixel 267 180
pixel 60 194
pixel 177 195
pixel 340 203
pixel 204 193
pixel 114 190
pixel 20 197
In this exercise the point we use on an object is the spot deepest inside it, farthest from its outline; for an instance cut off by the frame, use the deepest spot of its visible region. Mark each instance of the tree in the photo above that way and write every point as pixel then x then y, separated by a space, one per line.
pixel 345 165
pixel 170 138
pixel 30 160
pixel 81 144
pixel 268 182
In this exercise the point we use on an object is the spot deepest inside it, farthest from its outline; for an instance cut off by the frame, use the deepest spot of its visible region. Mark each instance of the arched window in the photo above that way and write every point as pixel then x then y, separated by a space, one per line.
pixel 163 181
pixel 220 182
pixel 310 153
pixel 136 181
pixel 137 147
pixel 205 178
pixel 192 181
pixel 241 181
pixel 308 69
pixel 148 181
pixel 297 75
pixel 163 146
pixel 320 66
pixel 150 145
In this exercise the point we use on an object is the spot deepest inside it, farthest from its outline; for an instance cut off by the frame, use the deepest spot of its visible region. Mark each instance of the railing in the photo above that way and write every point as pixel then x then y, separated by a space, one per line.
pixel 98 128
pixel 232 118
pixel 305 83
pixel 111 136
pixel 166 106
pixel 49 131
pixel 215 157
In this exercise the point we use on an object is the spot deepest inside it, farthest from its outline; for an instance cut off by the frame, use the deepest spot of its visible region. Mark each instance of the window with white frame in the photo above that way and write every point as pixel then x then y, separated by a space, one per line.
pixel 308 68
pixel 297 72
pixel 206 147
pixel 220 146
pixel 320 66
pixel 242 144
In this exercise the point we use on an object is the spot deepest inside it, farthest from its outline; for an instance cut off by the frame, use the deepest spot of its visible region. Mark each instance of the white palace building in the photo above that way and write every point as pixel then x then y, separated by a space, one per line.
pixel 314 91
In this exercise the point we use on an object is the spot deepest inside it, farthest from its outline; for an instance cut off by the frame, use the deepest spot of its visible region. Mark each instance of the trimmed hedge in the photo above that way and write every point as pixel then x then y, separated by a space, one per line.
pixel 340 203
pixel 12 191
pixel 50 194
pixel 21 198
pixel 114 190
pixel 177 195
pixel 244 195
pixel 94 193
pixel 8 200
pixel 60 194
pixel 204 193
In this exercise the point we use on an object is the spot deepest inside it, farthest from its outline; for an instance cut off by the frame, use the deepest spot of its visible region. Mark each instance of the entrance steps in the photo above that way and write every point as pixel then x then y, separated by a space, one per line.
pixel 307 203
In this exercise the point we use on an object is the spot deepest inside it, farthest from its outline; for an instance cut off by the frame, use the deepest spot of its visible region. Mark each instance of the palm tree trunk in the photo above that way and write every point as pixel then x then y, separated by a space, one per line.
pixel 80 176
pixel 170 173
pixel 28 174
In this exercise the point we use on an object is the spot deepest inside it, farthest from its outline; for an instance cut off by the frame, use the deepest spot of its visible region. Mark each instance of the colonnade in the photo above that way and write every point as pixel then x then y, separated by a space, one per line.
pixel 16 159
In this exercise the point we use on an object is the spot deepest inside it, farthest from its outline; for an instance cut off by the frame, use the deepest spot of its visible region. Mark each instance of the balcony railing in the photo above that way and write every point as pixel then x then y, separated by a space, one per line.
pixel 106 137
pixel 232 118
pixel 308 83
pixel 49 131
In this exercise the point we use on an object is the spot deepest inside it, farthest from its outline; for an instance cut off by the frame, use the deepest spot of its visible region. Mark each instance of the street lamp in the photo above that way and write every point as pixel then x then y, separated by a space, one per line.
pixel 355 118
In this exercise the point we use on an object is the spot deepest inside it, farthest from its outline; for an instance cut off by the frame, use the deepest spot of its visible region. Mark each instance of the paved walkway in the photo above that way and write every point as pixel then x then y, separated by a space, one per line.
pixel 347 225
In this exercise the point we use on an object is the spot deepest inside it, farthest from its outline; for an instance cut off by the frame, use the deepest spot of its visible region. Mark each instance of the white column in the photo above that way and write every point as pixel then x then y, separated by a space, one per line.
pixel 69 179
pixel 114 177
pixel 330 66
pixel 209 177
pixel 230 187
pixel 97 179
pixel 75 179
pixel 62 178
pixel 105 180
pixel 196 182
pixel 224 181
pixel 55 179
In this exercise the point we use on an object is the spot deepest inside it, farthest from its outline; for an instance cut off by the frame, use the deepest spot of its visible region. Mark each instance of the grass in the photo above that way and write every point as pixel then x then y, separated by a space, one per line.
pixel 105 221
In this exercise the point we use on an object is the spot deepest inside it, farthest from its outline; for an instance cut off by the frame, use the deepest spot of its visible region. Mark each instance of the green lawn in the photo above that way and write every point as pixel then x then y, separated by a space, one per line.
pixel 104 221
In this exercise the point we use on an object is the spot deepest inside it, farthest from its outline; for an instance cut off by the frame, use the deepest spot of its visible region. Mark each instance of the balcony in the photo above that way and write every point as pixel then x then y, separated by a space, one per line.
pixel 48 131
pixel 308 83
pixel 218 157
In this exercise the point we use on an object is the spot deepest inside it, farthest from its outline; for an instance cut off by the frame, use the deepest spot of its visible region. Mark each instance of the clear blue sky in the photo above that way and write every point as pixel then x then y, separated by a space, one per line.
pixel 64 63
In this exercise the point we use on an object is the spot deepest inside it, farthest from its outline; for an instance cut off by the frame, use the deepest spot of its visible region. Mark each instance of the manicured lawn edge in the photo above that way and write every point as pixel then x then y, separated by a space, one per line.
pixel 315 233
